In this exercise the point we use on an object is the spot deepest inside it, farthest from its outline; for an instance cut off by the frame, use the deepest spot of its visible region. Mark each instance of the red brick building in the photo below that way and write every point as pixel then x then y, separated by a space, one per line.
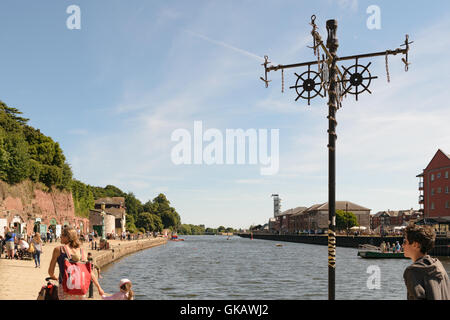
pixel 434 187
pixel 390 219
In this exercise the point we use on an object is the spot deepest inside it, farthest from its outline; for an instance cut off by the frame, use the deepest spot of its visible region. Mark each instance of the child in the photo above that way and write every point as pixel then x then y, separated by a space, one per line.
pixel 125 292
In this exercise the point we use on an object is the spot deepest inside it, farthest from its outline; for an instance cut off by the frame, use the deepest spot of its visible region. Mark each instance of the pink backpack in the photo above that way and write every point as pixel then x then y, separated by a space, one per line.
pixel 76 275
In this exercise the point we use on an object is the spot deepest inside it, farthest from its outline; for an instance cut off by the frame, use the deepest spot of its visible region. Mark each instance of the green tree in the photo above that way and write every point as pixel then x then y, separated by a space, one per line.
pixel 16 151
pixel 149 221
pixel 345 220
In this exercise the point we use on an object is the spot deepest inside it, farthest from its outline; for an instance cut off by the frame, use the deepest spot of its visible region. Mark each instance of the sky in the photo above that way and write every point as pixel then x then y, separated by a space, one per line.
pixel 114 91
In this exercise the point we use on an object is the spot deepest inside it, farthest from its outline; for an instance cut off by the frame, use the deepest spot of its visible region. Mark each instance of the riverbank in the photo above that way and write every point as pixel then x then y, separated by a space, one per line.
pixel 20 280
pixel 442 245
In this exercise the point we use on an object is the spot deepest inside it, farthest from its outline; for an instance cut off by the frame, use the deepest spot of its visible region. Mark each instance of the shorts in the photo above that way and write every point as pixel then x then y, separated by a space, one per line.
pixel 9 245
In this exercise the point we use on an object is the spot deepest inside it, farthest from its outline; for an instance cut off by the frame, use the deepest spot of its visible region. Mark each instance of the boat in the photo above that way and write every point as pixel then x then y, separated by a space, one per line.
pixel 368 251
pixel 175 238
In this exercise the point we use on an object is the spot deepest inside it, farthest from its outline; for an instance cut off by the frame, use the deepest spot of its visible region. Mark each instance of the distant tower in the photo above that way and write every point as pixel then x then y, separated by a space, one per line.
pixel 276 204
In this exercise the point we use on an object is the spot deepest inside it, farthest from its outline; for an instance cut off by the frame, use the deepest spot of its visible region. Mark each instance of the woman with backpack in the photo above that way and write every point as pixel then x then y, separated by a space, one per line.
pixel 75 272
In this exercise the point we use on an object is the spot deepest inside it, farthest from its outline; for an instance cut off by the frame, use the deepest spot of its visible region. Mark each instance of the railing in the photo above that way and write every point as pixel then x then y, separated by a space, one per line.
pixel 421 200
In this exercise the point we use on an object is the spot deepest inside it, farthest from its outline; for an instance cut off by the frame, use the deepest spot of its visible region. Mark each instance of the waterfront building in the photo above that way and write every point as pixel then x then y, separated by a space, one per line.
pixel 286 221
pixel 390 219
pixel 115 217
pixel 273 225
pixel 296 220
pixel 434 191
pixel 316 217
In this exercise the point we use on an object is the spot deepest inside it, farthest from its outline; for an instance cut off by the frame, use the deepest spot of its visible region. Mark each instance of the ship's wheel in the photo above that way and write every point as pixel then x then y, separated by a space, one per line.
pixel 307 87
pixel 355 77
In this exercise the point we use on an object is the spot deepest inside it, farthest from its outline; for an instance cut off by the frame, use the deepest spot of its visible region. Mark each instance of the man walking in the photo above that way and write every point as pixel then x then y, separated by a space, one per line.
pixel 426 278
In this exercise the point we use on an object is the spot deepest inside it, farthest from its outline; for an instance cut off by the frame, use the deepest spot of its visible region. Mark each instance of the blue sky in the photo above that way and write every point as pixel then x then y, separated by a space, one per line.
pixel 113 92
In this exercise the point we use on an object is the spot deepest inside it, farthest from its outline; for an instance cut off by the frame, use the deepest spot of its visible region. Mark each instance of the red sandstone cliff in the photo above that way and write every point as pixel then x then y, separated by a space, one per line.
pixel 26 201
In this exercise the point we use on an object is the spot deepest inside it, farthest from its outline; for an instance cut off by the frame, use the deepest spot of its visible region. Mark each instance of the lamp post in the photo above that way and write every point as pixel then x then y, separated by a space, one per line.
pixel 103 213
pixel 353 80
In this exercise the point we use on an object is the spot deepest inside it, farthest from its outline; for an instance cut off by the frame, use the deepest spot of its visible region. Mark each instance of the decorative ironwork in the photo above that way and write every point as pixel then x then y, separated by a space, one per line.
pixel 307 83
pixel 354 78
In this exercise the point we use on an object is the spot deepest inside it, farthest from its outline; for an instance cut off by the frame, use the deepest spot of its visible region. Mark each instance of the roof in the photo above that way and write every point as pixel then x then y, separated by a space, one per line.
pixel 118 213
pixel 299 210
pixel 293 211
pixel 111 200
pixel 340 205
pixel 438 156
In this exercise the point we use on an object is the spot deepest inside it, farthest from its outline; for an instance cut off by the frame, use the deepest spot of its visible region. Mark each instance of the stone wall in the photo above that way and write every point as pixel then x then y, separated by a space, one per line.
pixel 105 257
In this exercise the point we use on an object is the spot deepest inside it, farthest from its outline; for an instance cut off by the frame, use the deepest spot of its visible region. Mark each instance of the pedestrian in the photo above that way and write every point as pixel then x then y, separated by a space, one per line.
pixel 71 249
pixel 397 247
pixel 37 243
pixel 425 278
pixel 2 243
pixel 383 247
pixel 125 292
pixel 10 238
pixel 23 246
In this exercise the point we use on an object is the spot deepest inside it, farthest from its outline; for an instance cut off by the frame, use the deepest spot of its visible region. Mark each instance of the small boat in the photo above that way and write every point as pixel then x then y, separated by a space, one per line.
pixel 279 245
pixel 368 251
pixel 175 238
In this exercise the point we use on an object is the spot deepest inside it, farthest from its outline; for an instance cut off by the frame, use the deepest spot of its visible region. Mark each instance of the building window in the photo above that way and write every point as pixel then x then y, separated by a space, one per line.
pixel 439 190
pixel 432 177
pixel 446 174
pixel 438 175
pixel 432 206
pixel 446 189
pixel 432 192
pixel 447 204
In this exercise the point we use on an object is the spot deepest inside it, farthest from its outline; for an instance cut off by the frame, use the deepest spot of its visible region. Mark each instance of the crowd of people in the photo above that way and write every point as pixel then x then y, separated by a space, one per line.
pixel 394 247
pixel 15 246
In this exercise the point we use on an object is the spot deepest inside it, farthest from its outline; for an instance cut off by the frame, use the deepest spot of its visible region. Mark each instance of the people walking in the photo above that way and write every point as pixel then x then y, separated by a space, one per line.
pixel 10 238
pixel 425 278
pixel 64 255
pixel 37 243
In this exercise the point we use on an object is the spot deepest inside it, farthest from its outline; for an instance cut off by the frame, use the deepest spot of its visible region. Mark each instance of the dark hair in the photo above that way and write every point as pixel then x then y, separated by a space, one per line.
pixel 423 235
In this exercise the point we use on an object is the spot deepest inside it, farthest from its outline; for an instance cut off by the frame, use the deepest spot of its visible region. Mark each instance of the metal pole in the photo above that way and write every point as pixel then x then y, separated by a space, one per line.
pixel 332 45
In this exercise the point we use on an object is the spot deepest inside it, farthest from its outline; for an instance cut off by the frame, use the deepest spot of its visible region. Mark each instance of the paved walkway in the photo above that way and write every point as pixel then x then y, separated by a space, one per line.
pixel 20 280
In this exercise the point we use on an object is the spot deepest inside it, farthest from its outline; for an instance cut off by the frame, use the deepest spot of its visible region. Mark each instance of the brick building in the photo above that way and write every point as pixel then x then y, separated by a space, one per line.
pixel 434 186
pixel 316 216
pixel 392 218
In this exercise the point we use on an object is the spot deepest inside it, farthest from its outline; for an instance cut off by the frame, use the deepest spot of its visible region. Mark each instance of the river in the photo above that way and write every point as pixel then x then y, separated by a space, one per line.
pixel 228 268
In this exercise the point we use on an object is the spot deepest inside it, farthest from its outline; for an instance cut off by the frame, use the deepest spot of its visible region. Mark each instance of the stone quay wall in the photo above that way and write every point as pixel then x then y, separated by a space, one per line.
pixel 442 245
pixel 117 251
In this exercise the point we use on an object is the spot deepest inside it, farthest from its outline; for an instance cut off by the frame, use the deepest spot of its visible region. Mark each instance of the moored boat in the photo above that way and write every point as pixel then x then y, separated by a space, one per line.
pixel 373 252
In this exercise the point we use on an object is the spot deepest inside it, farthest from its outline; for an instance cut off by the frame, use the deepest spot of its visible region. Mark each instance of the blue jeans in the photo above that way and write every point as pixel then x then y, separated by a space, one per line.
pixel 37 258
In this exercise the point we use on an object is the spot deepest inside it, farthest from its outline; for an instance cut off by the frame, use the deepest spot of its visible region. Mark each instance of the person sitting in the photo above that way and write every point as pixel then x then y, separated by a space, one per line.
pixel 23 247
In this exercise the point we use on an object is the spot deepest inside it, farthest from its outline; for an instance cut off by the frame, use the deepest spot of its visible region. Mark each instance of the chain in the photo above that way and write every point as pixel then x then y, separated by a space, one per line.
pixel 387 68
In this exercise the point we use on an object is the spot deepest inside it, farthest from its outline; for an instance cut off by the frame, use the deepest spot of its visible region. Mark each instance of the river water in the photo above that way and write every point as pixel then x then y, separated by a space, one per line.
pixel 228 268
